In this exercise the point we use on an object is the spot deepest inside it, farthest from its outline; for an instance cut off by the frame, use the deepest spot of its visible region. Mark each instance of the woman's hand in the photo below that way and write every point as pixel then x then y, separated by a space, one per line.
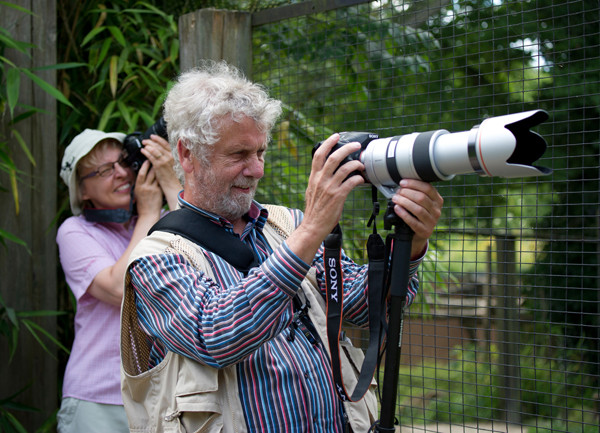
pixel 148 194
pixel 158 152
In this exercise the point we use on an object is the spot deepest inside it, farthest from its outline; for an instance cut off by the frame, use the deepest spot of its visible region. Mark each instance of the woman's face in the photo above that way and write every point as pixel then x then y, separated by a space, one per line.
pixel 112 191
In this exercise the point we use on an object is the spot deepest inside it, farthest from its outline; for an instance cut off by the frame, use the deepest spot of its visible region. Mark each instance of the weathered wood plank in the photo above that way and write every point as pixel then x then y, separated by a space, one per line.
pixel 216 35
pixel 29 280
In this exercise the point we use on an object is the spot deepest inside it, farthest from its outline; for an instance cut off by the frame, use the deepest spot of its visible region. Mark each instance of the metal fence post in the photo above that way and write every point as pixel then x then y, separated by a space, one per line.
pixel 507 319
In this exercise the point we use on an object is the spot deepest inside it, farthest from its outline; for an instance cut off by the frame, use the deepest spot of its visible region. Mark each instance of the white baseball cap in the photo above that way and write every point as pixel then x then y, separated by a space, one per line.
pixel 77 149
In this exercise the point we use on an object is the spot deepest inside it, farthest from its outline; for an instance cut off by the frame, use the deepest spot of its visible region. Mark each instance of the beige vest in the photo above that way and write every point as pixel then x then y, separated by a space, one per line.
pixel 182 395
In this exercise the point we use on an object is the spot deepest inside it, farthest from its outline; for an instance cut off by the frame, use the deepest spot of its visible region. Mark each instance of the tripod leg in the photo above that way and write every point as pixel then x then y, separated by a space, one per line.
pixel 399 278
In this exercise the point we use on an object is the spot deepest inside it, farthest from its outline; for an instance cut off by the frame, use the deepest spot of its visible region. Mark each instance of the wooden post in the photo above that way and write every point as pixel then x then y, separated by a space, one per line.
pixel 216 35
pixel 29 280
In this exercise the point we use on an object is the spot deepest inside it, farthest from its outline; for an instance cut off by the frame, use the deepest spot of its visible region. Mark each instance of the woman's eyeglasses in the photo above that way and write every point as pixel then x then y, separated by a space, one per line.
pixel 105 170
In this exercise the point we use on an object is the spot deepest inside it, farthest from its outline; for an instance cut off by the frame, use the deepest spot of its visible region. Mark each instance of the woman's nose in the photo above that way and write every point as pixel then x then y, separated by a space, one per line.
pixel 121 170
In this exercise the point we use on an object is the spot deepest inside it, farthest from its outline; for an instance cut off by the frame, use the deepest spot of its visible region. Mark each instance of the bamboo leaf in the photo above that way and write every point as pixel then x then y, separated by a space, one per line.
pixel 91 35
pixel 40 313
pixel 12 173
pixel 47 87
pixel 103 51
pixel 117 35
pixel 113 75
pixel 23 47
pixel 17 7
pixel 12 316
pixel 29 325
pixel 9 236
pixel 26 114
pixel 13 84
pixel 23 145
pixel 34 328
pixel 61 66
pixel 106 115
pixel 14 425
pixel 123 109
pixel 7 61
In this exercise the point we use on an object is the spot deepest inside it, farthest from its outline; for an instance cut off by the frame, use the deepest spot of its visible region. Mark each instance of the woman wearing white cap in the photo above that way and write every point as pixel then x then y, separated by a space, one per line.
pixel 113 210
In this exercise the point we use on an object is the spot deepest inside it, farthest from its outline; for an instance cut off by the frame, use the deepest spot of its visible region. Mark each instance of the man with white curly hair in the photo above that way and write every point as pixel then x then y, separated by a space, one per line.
pixel 223 318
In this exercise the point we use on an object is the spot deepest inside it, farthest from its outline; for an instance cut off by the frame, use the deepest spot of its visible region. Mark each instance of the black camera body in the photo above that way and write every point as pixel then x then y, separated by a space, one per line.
pixel 132 144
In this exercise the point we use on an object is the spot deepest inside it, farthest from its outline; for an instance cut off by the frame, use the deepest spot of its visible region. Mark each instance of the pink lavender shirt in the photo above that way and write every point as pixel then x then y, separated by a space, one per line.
pixel 93 369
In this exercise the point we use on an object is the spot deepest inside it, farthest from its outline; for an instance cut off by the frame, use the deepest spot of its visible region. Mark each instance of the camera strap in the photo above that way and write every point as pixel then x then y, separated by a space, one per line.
pixel 335 303
pixel 199 229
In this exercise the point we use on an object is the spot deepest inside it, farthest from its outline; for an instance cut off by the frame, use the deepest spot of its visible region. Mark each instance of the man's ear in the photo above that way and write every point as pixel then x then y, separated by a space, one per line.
pixel 185 157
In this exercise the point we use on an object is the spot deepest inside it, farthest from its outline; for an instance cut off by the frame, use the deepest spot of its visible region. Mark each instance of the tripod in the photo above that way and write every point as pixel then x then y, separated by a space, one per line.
pixel 398 284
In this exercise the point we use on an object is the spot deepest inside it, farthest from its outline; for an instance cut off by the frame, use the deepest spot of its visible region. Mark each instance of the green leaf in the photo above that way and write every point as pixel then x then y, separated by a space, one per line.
pixel 30 326
pixel 34 328
pixel 61 66
pixel 26 114
pixel 23 47
pixel 91 35
pixel 124 110
pixel 13 84
pixel 12 316
pixel 117 35
pixel 106 115
pixel 113 75
pixel 15 190
pixel 40 313
pixel 17 7
pixel 7 61
pixel 23 145
pixel 103 51
pixel 14 425
pixel 47 87
pixel 9 236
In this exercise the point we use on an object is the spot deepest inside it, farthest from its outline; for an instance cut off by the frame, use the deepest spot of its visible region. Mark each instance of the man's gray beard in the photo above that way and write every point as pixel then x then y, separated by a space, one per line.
pixel 225 206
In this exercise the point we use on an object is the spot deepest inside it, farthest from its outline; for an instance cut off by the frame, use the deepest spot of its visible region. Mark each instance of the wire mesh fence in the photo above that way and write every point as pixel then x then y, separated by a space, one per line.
pixel 505 331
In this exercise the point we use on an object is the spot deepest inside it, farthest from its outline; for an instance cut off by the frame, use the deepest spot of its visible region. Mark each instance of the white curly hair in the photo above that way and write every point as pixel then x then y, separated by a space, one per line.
pixel 203 99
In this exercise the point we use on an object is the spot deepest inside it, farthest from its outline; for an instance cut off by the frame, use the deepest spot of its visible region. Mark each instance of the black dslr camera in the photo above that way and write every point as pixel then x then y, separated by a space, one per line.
pixel 132 144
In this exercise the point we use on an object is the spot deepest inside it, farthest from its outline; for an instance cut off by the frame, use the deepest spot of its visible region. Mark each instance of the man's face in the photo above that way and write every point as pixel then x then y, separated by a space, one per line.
pixel 227 185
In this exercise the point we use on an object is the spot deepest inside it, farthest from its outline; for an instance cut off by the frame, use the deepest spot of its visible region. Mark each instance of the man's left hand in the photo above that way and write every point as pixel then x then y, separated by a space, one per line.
pixel 419 205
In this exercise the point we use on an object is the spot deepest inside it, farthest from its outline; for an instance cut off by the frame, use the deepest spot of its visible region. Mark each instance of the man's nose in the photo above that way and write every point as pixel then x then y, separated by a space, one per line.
pixel 255 167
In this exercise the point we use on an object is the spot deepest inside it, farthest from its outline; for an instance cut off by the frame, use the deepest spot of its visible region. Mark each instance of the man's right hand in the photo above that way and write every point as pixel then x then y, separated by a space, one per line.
pixel 328 187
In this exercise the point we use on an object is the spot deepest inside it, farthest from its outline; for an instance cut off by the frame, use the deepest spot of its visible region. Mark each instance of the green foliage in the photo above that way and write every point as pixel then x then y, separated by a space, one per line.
pixel 11 108
pixel 567 267
pixel 131 53
pixel 470 389
pixel 11 324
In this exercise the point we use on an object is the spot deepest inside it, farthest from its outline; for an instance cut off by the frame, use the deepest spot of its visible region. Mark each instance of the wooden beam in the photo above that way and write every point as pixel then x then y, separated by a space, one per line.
pixel 29 280
pixel 216 35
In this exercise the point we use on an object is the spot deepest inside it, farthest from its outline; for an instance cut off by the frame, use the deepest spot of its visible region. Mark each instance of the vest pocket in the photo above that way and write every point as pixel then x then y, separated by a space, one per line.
pixel 198 413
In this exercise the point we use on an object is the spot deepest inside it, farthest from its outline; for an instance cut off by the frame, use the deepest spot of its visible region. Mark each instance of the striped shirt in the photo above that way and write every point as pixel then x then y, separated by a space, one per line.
pixel 284 376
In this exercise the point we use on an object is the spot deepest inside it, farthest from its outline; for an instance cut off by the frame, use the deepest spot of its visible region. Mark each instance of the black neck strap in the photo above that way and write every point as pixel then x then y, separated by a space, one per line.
pixel 335 304
pixel 211 236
